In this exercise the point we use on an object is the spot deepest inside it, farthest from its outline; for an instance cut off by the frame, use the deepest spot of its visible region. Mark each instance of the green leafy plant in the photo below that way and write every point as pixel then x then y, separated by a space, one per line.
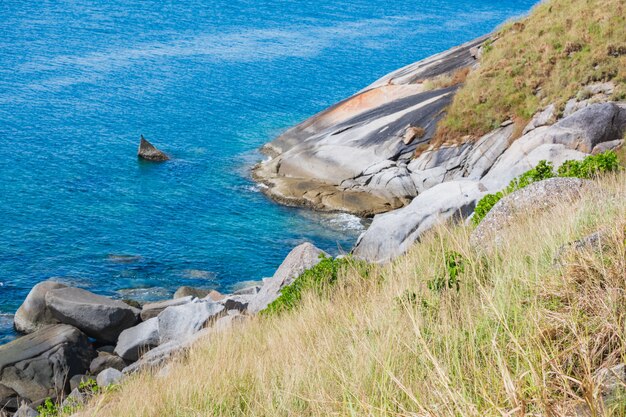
pixel 319 278
pixel 454 266
pixel 90 386
pixel 48 409
pixel 590 167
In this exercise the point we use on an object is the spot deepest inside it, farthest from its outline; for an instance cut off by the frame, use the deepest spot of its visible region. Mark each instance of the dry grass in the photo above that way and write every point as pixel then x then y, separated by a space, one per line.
pixel 545 58
pixel 523 336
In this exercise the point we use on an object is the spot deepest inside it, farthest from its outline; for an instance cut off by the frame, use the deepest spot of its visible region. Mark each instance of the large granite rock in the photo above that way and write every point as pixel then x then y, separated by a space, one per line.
pixel 151 310
pixel 108 377
pixel 539 196
pixel 137 340
pixel 99 317
pixel 104 361
pixel 301 258
pixel 149 152
pixel 339 158
pixel 41 364
pixel 392 234
pixel 180 322
pixel 33 314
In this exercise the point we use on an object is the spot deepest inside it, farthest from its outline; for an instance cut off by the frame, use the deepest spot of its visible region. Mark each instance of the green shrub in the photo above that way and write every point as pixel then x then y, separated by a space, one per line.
pixel 454 265
pixel 319 279
pixel 590 167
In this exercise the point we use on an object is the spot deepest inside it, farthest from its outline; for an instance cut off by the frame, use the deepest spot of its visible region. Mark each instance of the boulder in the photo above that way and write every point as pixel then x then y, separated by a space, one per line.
pixel 137 340
pixel 74 400
pixel 76 380
pixel 391 234
pixel 106 360
pixel 229 321
pixel 248 290
pixel 538 196
pixel 152 310
pixel 8 398
pixel 190 291
pixel 149 152
pixel 99 317
pixel 108 377
pixel 236 302
pixel 26 411
pixel 40 364
pixel 33 314
pixel 301 258
pixel 215 296
pixel 180 322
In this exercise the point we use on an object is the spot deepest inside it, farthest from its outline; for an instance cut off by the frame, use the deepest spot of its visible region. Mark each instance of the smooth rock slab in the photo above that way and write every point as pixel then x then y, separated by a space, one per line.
pixel 33 314
pixel 108 377
pixel 539 196
pixel 137 340
pixel 391 234
pixel 151 310
pixel 99 317
pixel 40 364
pixel 180 322
pixel 301 258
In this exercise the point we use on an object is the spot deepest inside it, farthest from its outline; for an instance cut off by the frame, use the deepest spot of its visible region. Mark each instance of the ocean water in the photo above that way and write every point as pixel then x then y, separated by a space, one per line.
pixel 208 82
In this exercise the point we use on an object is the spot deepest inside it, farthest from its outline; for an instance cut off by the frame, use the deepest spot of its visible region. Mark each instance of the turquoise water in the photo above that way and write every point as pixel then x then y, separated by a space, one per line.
pixel 206 81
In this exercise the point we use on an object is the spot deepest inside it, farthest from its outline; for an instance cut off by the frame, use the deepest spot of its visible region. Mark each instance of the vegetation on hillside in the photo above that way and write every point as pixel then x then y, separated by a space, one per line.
pixel 590 167
pixel 444 331
pixel 545 58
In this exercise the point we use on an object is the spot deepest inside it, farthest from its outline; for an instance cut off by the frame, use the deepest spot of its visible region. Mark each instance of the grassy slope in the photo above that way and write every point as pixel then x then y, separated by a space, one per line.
pixel 562 46
pixel 521 335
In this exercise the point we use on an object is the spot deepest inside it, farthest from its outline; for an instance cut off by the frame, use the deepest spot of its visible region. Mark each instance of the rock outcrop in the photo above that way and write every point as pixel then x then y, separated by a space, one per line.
pixel 137 340
pixel 353 156
pixel 181 322
pixel 99 317
pixel 149 152
pixel 301 258
pixel 33 314
pixel 41 364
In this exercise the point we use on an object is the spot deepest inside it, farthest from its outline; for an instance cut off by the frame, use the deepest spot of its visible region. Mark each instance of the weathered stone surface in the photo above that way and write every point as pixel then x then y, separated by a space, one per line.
pixel 99 317
pixel 33 314
pixel 152 310
pixel 180 322
pixel 215 296
pixel 248 290
pixel 40 364
pixel 185 291
pixel 391 234
pixel 76 380
pixel 108 377
pixel 608 146
pixel 8 398
pixel 343 143
pixel 301 258
pixel 74 400
pixel 545 117
pixel 106 360
pixel 137 340
pixel 228 322
pixel 236 302
pixel 539 196
pixel 149 152
pixel 26 411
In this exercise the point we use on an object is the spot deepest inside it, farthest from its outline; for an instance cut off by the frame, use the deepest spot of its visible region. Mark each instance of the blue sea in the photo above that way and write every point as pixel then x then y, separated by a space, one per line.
pixel 206 81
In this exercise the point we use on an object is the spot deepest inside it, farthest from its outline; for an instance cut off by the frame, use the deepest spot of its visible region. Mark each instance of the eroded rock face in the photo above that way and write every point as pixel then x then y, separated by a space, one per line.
pixel 329 161
pixel 41 364
pixel 149 152
pixel 391 234
pixel 33 314
pixel 301 258
pixel 539 196
pixel 99 317
pixel 151 310
pixel 181 322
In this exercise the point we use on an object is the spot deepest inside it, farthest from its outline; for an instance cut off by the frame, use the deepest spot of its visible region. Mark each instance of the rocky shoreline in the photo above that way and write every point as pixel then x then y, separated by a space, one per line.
pixel 72 336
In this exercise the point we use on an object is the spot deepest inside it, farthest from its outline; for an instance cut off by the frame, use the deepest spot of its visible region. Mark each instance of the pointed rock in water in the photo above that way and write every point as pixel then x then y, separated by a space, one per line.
pixel 149 152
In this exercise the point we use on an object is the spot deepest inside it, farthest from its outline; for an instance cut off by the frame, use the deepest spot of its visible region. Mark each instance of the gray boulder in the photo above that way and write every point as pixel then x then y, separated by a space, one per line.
pixel 78 379
pixel 108 377
pixel 8 398
pixel 539 196
pixel 190 291
pixel 152 310
pixel 149 152
pixel 137 340
pixel 301 258
pixel 33 314
pixel 40 364
pixel 106 360
pixel 391 234
pixel 25 411
pixel 180 322
pixel 99 317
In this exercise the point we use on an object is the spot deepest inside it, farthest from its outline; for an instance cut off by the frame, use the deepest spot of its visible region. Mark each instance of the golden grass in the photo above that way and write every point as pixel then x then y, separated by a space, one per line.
pixel 523 336
pixel 544 58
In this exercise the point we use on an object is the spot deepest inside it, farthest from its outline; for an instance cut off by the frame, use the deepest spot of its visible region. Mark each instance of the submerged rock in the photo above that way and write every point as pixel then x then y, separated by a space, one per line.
pixel 99 317
pixel 149 152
